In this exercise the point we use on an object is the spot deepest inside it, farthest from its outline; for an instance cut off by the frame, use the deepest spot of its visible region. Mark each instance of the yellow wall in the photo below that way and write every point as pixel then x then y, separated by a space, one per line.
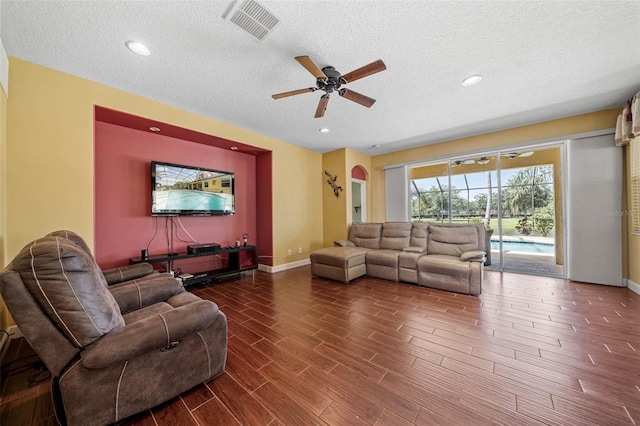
pixel 50 160
pixel 335 213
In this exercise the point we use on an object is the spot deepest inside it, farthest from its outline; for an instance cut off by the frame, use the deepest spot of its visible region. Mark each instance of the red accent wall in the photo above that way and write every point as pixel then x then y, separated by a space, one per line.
pixel 123 221
pixel 358 173
pixel 264 203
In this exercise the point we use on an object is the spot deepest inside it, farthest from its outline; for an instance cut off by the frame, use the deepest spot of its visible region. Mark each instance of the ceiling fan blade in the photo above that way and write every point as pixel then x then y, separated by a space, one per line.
pixel 322 106
pixel 362 72
pixel 306 62
pixel 357 97
pixel 293 92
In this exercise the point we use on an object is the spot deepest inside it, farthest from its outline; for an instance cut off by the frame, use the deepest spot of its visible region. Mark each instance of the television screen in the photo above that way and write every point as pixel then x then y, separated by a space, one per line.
pixel 190 191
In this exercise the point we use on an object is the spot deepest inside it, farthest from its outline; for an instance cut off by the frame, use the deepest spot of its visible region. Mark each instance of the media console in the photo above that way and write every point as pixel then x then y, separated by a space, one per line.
pixel 205 266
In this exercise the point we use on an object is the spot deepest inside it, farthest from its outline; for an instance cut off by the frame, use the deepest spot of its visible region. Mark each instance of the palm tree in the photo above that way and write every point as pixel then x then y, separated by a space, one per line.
pixel 487 213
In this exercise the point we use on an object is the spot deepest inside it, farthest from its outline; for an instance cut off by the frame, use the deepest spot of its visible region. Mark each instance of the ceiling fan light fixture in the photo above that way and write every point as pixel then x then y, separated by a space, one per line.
pixel 471 80
pixel 137 48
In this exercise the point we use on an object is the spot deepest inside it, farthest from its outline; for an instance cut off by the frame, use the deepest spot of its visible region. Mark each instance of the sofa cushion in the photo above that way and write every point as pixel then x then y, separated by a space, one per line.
pixel 57 272
pixel 395 235
pixel 419 235
pixel 344 257
pixel 452 240
pixel 366 235
pixel 343 243
pixel 473 256
pixel 444 272
pixel 383 257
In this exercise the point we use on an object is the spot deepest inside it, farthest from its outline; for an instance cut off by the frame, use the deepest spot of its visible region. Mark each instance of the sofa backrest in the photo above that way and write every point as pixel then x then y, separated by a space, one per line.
pixel 395 235
pixel 68 286
pixel 366 235
pixel 419 235
pixel 455 239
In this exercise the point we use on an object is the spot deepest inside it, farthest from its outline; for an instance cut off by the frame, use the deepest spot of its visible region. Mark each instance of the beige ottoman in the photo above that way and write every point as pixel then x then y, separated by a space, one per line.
pixel 339 263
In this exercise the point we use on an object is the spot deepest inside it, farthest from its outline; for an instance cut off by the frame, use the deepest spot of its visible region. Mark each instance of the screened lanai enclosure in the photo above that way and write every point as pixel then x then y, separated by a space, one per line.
pixel 516 194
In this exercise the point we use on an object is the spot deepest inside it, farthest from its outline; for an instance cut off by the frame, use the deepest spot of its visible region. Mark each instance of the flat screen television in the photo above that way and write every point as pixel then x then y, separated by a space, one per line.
pixel 178 190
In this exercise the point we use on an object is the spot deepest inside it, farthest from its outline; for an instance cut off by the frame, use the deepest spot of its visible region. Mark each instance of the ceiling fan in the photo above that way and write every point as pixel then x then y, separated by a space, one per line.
pixel 329 80
pixel 512 155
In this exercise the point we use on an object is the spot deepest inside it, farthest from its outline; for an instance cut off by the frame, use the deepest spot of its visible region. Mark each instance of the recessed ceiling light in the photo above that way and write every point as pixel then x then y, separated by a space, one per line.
pixel 154 129
pixel 234 148
pixel 138 48
pixel 324 130
pixel 471 80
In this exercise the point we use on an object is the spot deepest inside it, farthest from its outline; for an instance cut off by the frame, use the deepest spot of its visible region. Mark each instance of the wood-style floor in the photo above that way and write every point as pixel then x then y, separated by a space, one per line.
pixel 529 351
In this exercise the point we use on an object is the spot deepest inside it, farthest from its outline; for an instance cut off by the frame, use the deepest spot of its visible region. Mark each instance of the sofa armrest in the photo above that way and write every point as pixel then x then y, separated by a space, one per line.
pixel 127 273
pixel 132 295
pixel 414 249
pixel 343 243
pixel 473 256
pixel 156 332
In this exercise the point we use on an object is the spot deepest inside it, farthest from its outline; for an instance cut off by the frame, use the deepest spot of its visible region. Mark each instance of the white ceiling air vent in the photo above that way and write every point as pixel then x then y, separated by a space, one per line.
pixel 253 17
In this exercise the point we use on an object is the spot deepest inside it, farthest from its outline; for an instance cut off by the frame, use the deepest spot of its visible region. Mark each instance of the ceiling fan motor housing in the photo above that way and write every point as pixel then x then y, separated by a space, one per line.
pixel 332 82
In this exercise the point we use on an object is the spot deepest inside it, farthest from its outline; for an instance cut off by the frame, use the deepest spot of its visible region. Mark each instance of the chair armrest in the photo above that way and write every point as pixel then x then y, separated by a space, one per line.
pixel 343 243
pixel 414 249
pixel 152 333
pixel 132 295
pixel 473 256
pixel 127 273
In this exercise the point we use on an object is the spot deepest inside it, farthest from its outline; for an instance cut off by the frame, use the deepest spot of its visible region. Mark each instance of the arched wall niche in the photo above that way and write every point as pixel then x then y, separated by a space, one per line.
pixel 359 172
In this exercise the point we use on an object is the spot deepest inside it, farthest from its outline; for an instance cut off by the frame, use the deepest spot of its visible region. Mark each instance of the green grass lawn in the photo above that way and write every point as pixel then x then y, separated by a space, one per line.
pixel 508 226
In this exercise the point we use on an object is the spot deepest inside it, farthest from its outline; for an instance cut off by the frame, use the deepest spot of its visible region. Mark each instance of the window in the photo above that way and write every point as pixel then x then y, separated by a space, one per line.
pixel 635 185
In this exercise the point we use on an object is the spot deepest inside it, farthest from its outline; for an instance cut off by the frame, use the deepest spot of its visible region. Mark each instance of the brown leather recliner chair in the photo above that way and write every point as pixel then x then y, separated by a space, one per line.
pixel 112 351
pixel 114 275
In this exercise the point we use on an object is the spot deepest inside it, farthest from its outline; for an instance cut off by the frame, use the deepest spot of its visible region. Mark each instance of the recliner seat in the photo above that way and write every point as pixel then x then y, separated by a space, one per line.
pixel 112 351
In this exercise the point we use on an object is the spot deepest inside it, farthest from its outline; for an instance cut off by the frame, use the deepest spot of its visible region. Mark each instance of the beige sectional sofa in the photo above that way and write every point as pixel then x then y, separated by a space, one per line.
pixel 443 256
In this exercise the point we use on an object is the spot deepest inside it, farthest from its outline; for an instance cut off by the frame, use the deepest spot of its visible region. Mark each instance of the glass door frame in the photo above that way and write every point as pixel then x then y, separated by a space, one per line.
pixel 559 222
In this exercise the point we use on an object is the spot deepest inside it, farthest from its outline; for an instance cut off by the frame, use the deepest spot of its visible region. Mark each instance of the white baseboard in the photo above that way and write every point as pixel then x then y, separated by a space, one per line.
pixel 283 267
pixel 633 286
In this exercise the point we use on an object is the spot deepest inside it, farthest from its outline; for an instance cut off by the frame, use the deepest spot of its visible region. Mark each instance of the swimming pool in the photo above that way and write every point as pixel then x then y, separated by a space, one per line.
pixel 523 247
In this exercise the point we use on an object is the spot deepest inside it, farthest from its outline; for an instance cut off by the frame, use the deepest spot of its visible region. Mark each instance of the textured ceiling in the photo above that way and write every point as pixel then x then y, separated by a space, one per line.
pixel 540 60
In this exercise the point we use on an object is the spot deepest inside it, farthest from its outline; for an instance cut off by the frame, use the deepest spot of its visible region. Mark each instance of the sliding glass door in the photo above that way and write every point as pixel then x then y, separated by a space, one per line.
pixel 516 195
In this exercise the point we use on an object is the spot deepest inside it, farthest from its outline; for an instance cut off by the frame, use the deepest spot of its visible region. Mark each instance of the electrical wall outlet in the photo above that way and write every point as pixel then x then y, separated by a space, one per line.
pixel 289 252
pixel 299 249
